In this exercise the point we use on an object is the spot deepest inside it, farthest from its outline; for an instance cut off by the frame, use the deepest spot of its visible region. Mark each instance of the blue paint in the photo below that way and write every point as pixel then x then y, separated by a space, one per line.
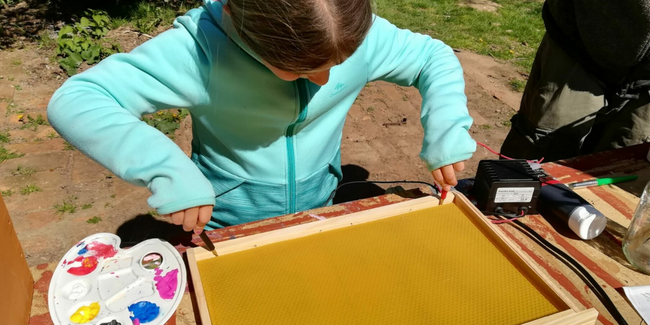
pixel 144 311
pixel 83 250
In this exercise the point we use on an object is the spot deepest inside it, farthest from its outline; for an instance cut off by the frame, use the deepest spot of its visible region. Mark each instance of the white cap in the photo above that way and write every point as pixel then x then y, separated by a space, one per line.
pixel 587 222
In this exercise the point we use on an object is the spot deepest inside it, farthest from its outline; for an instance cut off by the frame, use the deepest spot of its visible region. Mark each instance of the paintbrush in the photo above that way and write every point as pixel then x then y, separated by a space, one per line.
pixel 443 196
pixel 208 243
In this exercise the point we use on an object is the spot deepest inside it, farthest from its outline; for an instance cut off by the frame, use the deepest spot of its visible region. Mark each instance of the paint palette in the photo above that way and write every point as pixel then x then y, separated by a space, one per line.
pixel 98 283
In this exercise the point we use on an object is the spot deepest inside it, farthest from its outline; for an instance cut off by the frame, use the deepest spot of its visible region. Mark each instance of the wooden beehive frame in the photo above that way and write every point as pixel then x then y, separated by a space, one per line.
pixel 573 315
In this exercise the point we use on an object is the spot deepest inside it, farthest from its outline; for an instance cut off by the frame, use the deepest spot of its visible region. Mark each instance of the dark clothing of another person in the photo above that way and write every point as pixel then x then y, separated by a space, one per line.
pixel 588 90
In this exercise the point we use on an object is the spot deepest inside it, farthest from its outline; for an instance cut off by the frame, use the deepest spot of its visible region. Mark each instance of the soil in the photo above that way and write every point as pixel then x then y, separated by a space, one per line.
pixel 382 140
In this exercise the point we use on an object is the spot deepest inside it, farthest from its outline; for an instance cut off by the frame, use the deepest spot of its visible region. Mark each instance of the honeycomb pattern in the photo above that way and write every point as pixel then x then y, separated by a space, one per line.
pixel 432 266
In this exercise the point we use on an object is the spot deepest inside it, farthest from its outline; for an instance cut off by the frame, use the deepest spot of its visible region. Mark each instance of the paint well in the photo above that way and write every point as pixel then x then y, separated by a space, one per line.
pixel 167 283
pixel 83 265
pixel 143 312
pixel 85 314
pixel 101 250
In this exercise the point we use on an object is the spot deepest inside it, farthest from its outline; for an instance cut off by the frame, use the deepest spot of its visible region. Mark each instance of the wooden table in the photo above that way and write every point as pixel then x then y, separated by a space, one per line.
pixel 602 257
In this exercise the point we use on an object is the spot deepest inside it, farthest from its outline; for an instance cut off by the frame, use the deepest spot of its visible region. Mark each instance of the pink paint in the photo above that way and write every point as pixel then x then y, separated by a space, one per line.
pixel 136 322
pixel 101 250
pixel 166 284
pixel 83 265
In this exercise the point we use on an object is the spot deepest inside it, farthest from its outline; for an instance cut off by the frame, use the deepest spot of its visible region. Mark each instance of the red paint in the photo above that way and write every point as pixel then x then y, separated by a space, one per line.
pixel 172 320
pixel 86 265
pixel 613 201
pixel 101 250
pixel 41 266
pixel 592 266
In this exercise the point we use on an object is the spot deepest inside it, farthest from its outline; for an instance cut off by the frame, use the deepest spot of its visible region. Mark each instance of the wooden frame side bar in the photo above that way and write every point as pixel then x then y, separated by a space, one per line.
pixel 568 317
pixel 204 313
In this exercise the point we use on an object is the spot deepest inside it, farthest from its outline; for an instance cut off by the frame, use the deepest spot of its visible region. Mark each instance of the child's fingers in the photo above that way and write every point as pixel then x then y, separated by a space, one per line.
pixel 459 166
pixel 449 174
pixel 437 176
pixel 177 217
pixel 191 216
pixel 205 212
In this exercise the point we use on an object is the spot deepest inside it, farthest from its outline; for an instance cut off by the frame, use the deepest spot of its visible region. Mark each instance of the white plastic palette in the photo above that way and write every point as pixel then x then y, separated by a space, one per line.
pixel 97 283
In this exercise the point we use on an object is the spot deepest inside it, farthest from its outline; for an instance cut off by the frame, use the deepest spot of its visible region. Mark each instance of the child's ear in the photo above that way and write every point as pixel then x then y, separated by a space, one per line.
pixel 226 8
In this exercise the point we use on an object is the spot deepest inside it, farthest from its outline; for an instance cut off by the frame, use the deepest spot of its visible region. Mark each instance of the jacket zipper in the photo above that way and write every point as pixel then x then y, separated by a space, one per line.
pixel 301 85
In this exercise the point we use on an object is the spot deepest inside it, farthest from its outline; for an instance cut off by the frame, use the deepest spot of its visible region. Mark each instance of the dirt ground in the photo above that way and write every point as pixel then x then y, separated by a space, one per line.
pixel 382 140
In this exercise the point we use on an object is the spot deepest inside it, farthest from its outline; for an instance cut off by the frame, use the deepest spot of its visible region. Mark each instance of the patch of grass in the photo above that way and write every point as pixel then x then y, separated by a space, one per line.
pixel 167 121
pixel 94 220
pixel 506 123
pixel 11 78
pixel 68 205
pixel 113 196
pixel 68 146
pixel 7 193
pixel 33 123
pixel 485 126
pixel 512 33
pixel 24 171
pixel 370 109
pixel 18 87
pixel 38 140
pixel 86 206
pixel 106 205
pixel 518 85
pixel 148 16
pixel 4 136
pixel 16 62
pixel 45 41
pixel 52 135
pixel 405 98
pixel 6 155
pixel 29 189
pixel 153 213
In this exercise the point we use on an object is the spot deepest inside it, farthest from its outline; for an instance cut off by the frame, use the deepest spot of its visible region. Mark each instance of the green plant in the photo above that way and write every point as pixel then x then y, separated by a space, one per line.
pixel 11 78
pixel 84 41
pixel 24 171
pixel 518 85
pixel 18 87
pixel 6 155
pixel 148 16
pixel 106 205
pixel 167 121
pixel 52 135
pixel 38 140
pixel 485 126
pixel 67 146
pixel 94 220
pixel 33 123
pixel 370 109
pixel 29 189
pixel 7 193
pixel 86 206
pixel 4 136
pixel 113 196
pixel 16 62
pixel 506 123
pixel 68 205
pixel 153 213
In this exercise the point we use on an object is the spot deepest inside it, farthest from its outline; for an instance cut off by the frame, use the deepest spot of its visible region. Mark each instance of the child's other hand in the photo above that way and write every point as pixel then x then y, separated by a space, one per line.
pixel 445 176
pixel 193 218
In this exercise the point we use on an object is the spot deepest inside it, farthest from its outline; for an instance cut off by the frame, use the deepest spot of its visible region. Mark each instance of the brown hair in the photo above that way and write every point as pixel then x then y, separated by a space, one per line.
pixel 302 35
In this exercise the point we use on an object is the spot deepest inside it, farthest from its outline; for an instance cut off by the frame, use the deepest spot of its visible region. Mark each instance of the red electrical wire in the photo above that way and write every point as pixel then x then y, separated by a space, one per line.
pixel 505 157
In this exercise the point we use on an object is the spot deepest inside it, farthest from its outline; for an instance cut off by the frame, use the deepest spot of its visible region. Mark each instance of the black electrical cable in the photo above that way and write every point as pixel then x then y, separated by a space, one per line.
pixel 584 274
pixel 434 188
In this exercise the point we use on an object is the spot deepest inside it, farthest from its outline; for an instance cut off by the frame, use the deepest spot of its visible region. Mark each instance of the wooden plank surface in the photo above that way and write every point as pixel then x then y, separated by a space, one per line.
pixel 603 256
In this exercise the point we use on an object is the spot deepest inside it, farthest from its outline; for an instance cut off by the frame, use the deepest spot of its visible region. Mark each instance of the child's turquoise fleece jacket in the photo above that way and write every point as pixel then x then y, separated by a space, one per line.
pixel 262 146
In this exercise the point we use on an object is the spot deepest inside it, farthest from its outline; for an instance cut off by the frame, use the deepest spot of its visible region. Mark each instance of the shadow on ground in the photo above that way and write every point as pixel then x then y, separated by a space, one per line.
pixel 145 226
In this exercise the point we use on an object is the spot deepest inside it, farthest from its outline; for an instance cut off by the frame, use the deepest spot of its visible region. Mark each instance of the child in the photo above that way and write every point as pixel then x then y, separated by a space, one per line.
pixel 268 85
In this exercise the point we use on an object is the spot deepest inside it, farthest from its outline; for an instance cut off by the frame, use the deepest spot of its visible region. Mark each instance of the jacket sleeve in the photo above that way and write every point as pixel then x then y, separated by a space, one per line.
pixel 410 59
pixel 99 111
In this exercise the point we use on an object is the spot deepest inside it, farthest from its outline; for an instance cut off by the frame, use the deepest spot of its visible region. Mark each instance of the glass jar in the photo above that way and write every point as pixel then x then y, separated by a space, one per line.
pixel 636 244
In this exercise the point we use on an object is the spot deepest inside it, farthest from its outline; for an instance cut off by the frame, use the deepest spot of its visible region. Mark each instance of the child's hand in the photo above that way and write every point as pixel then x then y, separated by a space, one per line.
pixel 445 176
pixel 193 218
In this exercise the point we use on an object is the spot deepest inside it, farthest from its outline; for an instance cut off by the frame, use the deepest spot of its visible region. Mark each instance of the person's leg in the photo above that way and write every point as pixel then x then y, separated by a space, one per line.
pixel 628 127
pixel 554 116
